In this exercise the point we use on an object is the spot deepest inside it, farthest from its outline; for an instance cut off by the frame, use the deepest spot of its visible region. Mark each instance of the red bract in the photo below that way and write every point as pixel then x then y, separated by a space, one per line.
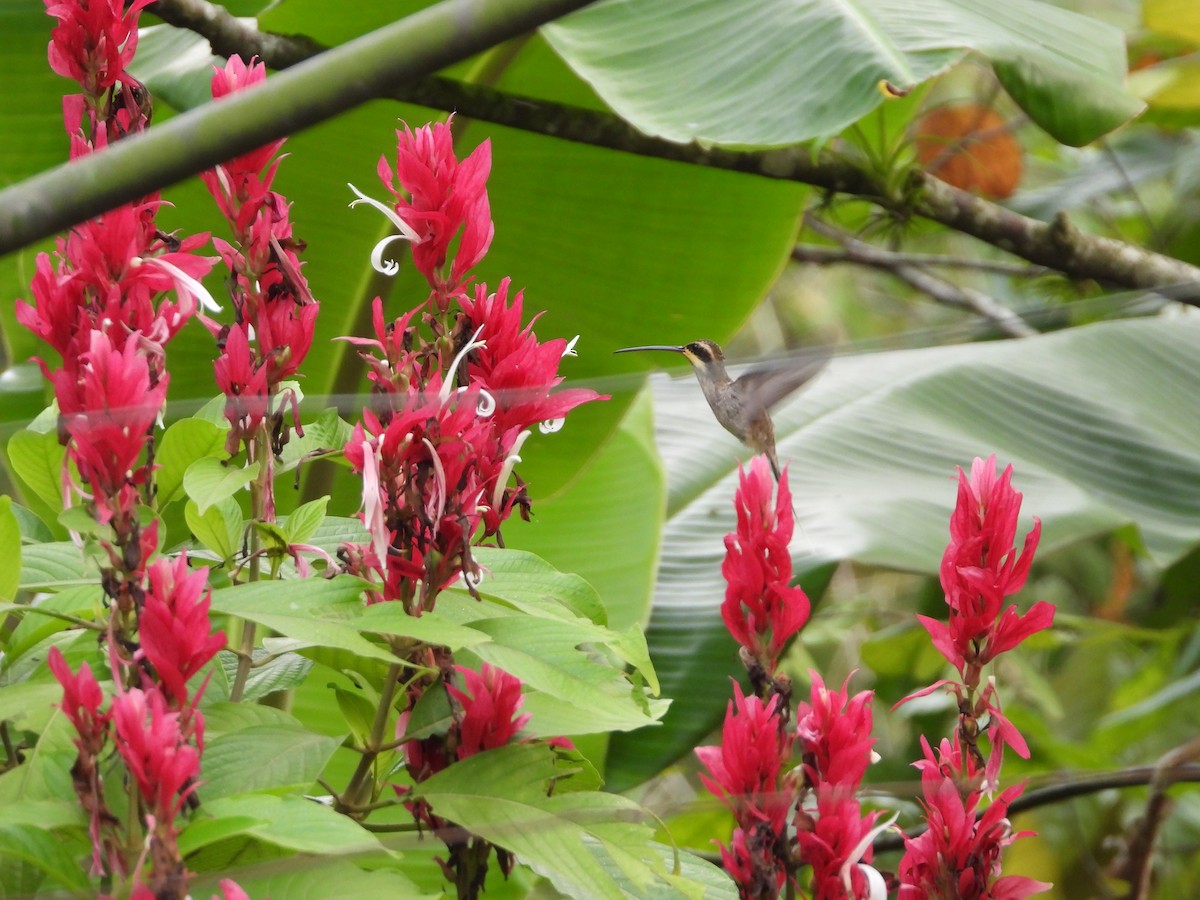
pixel 836 844
pixel 489 709
pixel 156 752
pixel 445 196
pixel 81 702
pixel 835 734
pixel 108 406
pixel 174 627
pixel 958 856
pixel 761 610
pixel 94 40
pixel 243 179
pixel 981 567
pixel 512 366
pixel 745 770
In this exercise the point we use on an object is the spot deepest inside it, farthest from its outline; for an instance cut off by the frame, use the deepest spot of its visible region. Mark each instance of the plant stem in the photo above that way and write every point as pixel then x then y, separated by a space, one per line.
pixel 351 799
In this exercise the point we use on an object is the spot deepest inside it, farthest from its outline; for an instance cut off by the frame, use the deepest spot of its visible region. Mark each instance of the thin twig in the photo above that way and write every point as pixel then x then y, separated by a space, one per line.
pixel 938 288
pixel 827 256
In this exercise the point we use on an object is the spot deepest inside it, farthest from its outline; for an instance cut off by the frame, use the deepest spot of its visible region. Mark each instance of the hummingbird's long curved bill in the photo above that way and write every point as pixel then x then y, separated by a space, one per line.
pixel 651 347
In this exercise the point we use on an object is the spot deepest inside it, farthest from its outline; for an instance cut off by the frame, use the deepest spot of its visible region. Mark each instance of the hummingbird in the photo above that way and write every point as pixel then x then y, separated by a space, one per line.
pixel 743 407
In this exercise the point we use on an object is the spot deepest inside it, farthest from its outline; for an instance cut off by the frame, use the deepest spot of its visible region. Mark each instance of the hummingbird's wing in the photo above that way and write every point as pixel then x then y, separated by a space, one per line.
pixel 767 385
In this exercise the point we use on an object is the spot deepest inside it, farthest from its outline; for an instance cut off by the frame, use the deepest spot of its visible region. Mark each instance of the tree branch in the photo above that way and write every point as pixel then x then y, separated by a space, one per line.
pixel 938 288
pixel 339 79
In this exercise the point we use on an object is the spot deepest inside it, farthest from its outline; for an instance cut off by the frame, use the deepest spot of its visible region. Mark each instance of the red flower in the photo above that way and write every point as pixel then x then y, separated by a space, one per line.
pixel 958 855
pixel 445 196
pixel 81 702
pixel 835 734
pixel 174 627
pixel 745 770
pixel 150 740
pixel 94 40
pixel 108 406
pixel 489 709
pixel 836 843
pixel 512 366
pixel 761 610
pixel 981 567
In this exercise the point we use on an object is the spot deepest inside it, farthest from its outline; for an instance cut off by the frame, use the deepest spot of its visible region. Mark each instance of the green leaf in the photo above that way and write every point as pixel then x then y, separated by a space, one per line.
pixel 527 583
pixel 589 844
pixel 182 444
pixel 52 567
pixel 315 879
pixel 750 72
pixel 37 459
pixel 282 673
pixel 358 711
pixel 295 824
pixel 264 758
pixel 1101 424
pixel 39 621
pixel 38 847
pixel 546 655
pixel 208 481
pixel 219 529
pixel 315 611
pixel 33 529
pixel 305 521
pixel 588 528
pixel 431 628
pixel 10 549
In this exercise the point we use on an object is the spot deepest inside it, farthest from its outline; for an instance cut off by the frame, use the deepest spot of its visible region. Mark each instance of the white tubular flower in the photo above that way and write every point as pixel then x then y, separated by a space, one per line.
pixel 569 350
pixel 184 283
pixel 390 267
pixel 550 426
pixel 510 463
pixel 472 344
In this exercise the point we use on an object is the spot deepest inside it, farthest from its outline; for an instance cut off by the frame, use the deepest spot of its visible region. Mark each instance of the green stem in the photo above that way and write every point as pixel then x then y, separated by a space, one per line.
pixel 352 797
pixel 257 452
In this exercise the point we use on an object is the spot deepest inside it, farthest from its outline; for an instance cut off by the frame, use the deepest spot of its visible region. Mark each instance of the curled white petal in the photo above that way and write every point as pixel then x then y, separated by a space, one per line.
pixel 392 216
pixel 472 344
pixel 183 281
pixel 486 405
pixel 510 463
pixel 551 425
pixel 378 263
pixel 474 579
pixel 569 350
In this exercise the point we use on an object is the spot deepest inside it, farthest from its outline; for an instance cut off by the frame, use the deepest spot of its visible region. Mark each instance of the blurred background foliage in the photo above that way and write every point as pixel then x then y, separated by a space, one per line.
pixel 1098 411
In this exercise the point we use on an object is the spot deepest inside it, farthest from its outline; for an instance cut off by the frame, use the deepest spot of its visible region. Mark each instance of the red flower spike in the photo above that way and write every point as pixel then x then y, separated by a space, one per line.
pixel 81 702
pixel 834 733
pixel 489 709
pixel 150 740
pixel 761 610
pixel 981 567
pixel 445 196
pixel 174 626
pixel 108 405
pixel 745 770
pixel 94 41
pixel 958 856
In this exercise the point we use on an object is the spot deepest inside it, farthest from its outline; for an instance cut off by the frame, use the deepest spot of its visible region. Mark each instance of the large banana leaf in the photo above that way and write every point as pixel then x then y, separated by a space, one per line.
pixel 757 72
pixel 1102 425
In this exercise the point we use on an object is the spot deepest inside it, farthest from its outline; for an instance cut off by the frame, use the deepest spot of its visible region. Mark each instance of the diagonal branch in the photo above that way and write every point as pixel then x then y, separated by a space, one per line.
pixel 941 290
pixel 338 79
